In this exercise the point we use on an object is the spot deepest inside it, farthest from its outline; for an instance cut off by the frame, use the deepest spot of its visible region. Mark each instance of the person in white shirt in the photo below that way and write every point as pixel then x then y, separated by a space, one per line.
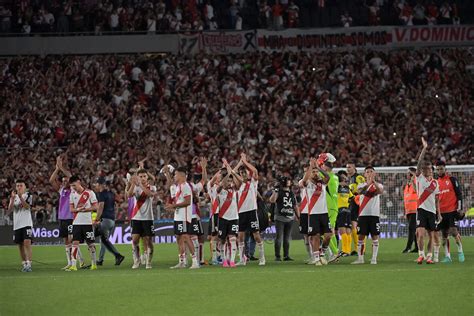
pixel 428 213
pixel 142 216
pixel 182 205
pixel 114 21
pixel 197 233
pixel 82 202
pixel 20 204
pixel 228 198
pixel 369 214
pixel 248 218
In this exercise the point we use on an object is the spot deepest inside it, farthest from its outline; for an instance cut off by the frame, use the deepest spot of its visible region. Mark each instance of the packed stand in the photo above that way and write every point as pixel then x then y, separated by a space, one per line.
pixel 108 112
pixel 98 16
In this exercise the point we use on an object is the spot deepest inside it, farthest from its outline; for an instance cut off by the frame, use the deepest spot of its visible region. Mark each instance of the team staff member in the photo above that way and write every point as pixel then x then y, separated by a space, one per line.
pixel 451 208
pixel 106 220
pixel 410 200
pixel 20 204
pixel 285 208
pixel 343 223
pixel 355 180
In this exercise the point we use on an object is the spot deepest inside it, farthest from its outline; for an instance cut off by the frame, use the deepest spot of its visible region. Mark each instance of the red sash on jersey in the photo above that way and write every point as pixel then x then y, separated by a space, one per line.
pixel 227 203
pixel 303 203
pixel 366 200
pixel 244 194
pixel 313 201
pixel 214 207
pixel 140 201
pixel 427 192
pixel 82 201
pixel 314 198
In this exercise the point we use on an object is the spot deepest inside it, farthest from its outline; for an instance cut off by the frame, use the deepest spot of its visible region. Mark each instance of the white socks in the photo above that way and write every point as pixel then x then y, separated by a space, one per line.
pixel 375 249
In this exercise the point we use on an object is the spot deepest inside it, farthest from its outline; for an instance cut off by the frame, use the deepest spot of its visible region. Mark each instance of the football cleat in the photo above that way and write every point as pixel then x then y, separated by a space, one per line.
pixel 373 261
pixel 461 257
pixel 358 261
pixel 136 264
pixel 71 268
pixel 195 266
pixel 93 267
pixel 447 260
pixel 420 260
pixel 225 264
pixel 180 265
pixel 323 261
pixel 66 267
pixel 429 261
pixel 262 261
pixel 232 264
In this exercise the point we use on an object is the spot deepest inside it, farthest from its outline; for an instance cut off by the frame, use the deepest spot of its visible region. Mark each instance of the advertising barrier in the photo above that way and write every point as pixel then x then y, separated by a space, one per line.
pixel 49 234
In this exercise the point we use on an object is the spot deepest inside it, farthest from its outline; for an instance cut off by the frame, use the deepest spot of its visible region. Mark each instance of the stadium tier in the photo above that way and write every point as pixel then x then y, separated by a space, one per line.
pixel 38 16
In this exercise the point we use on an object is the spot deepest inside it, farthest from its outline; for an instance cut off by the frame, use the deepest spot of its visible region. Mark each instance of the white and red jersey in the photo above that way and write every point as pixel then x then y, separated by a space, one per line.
pixel 427 189
pixel 21 215
pixel 197 189
pixel 315 195
pixel 143 208
pixel 248 196
pixel 86 199
pixel 212 190
pixel 304 199
pixel 369 203
pixel 179 192
pixel 228 204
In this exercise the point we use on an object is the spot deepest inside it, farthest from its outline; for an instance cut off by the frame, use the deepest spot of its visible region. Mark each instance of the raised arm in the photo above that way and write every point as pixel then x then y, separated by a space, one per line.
pixel 203 163
pixel 326 176
pixel 421 157
pixel 133 183
pixel 307 174
pixel 53 179
pixel 236 177
pixel 249 166
pixel 214 178
pixel 66 172
pixel 11 203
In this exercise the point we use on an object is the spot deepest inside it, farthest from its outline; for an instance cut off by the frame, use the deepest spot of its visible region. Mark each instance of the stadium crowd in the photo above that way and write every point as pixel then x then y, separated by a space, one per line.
pixel 45 16
pixel 108 112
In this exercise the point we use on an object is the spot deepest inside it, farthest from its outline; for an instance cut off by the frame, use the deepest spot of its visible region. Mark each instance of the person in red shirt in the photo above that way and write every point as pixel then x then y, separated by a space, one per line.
pixel 451 208
pixel 410 199
pixel 277 11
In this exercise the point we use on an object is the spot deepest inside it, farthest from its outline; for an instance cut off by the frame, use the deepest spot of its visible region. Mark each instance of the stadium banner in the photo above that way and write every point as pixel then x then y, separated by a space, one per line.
pixel 439 35
pixel 324 39
pixel 228 42
pixel 381 37
pixel 48 234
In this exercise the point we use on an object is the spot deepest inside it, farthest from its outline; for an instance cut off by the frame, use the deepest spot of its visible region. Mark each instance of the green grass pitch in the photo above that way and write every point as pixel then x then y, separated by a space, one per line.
pixel 396 286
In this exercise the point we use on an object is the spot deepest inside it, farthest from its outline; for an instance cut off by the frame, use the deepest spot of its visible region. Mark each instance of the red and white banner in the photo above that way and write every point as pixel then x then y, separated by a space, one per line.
pixel 232 42
pixel 384 37
pixel 440 35
pixel 323 39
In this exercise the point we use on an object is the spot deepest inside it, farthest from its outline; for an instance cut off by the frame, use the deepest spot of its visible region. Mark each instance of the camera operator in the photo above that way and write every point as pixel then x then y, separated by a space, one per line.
pixel 285 207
